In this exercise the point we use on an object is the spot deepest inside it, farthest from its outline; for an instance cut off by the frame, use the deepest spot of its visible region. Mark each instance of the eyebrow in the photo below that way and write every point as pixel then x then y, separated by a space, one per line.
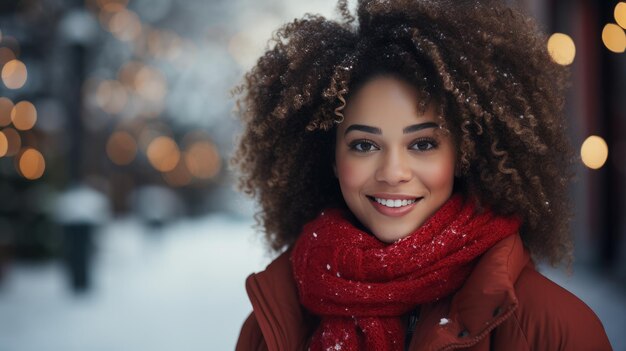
pixel 374 130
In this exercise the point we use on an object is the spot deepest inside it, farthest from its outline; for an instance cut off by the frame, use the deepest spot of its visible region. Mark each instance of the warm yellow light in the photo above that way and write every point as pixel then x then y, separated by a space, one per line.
pixel 163 153
pixel 4 144
pixel 111 96
pixel 14 142
pixel 150 84
pixel 121 148
pixel 24 115
pixel 6 106
pixel 125 25
pixel 6 55
pixel 179 176
pixel 614 38
pixel 561 48
pixel 32 164
pixel 620 14
pixel 203 160
pixel 594 152
pixel 14 74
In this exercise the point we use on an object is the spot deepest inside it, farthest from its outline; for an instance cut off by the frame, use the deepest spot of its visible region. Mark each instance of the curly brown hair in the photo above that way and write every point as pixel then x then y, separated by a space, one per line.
pixel 485 65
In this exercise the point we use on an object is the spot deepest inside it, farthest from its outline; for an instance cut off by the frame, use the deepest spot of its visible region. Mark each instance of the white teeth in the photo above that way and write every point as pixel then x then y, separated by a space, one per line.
pixel 394 203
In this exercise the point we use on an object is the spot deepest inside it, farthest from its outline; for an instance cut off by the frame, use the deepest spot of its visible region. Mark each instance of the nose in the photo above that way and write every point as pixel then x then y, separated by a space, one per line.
pixel 394 168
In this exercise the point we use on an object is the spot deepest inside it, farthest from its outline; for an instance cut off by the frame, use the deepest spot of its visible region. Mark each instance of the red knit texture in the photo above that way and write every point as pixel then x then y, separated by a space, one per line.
pixel 360 286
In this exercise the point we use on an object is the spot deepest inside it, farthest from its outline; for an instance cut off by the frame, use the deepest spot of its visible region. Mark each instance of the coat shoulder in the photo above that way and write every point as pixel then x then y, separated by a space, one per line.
pixel 549 317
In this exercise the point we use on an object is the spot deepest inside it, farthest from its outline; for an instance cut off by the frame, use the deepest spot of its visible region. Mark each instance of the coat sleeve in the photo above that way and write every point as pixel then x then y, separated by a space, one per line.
pixel 549 318
pixel 251 337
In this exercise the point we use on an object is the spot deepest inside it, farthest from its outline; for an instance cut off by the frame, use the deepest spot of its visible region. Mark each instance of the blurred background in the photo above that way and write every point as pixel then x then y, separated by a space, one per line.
pixel 120 228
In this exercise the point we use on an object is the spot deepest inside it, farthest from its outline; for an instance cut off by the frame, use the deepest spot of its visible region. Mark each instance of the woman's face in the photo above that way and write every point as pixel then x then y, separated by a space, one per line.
pixel 395 166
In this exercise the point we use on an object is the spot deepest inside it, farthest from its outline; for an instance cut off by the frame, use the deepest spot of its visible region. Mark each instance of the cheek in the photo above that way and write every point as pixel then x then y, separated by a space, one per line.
pixel 351 174
pixel 441 176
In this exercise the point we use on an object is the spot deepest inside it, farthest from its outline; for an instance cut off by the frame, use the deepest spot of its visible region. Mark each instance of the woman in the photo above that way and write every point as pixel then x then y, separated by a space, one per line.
pixel 411 164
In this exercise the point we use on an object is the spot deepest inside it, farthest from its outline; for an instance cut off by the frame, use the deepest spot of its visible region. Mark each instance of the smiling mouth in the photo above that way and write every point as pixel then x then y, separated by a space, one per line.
pixel 391 203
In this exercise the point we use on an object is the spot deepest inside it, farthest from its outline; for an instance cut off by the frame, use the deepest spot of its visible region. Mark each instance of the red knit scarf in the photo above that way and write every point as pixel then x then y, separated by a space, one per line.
pixel 360 286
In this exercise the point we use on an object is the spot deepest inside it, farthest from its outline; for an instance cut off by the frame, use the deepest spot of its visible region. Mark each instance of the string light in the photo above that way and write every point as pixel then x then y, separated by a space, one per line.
pixel 6 106
pixel 14 74
pixel 125 25
pixel 24 115
pixel 31 164
pixel 561 48
pixel 14 141
pixel 614 38
pixel 121 148
pixel 111 96
pixel 620 14
pixel 203 160
pixel 163 153
pixel 4 144
pixel 594 152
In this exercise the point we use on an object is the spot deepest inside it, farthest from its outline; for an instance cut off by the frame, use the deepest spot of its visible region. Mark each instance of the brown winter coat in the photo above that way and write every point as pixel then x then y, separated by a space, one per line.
pixel 505 304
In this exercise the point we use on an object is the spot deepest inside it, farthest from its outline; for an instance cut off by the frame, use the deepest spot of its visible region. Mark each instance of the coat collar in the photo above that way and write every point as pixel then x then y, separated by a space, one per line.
pixel 284 322
pixel 485 300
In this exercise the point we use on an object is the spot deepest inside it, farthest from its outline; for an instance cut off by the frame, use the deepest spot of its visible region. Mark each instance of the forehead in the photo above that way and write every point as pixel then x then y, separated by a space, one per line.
pixel 387 100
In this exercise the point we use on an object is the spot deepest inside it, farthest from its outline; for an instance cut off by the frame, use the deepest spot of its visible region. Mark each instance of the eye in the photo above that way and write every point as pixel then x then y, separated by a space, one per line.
pixel 362 145
pixel 424 144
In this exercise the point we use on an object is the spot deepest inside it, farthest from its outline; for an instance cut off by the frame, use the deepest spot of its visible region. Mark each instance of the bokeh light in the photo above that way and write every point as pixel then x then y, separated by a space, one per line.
pixel 4 144
pixel 150 84
pixel 163 153
pixel 14 74
pixel 203 160
pixel 594 152
pixel 111 96
pixel 121 148
pixel 24 115
pixel 620 14
pixel 31 164
pixel 561 48
pixel 6 55
pixel 6 106
pixel 614 38
pixel 179 176
pixel 125 25
pixel 107 12
pixel 128 73
pixel 14 141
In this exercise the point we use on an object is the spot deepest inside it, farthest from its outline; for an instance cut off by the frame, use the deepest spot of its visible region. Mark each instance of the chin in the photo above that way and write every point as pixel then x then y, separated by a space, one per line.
pixel 390 238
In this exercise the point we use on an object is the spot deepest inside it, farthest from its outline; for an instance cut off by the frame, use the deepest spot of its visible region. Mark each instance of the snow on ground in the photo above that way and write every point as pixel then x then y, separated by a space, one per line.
pixel 180 287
